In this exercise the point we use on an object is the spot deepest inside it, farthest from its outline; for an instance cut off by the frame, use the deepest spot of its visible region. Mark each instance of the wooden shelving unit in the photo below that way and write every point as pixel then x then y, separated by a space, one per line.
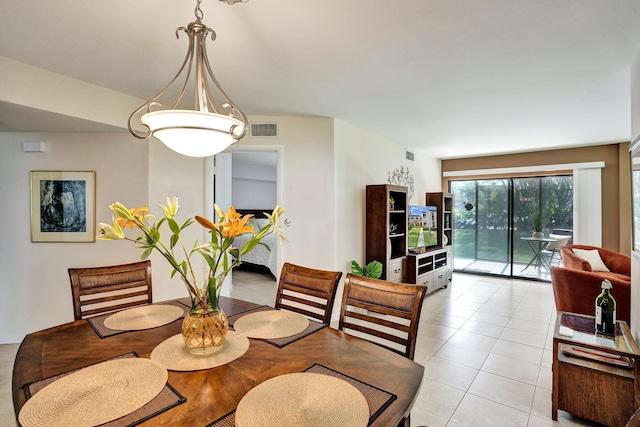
pixel 386 229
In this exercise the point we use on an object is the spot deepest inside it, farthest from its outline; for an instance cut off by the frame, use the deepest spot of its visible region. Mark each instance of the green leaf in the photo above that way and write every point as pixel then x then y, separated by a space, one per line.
pixel 187 223
pixel 173 225
pixel 249 246
pixel 356 269
pixel 174 240
pixel 373 270
pixel 146 253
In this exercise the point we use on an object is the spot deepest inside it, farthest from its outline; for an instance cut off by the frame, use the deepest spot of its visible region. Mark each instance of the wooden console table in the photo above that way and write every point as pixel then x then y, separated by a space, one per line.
pixel 594 376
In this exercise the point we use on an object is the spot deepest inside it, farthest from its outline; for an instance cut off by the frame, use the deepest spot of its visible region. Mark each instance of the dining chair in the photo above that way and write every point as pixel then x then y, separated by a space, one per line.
pixel 385 313
pixel 307 291
pixel 98 290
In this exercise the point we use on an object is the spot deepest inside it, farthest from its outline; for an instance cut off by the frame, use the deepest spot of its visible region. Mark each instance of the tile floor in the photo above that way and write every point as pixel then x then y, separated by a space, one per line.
pixel 485 343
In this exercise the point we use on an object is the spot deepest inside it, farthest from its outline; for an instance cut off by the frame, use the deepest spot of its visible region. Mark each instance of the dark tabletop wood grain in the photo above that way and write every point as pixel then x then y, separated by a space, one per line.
pixel 214 392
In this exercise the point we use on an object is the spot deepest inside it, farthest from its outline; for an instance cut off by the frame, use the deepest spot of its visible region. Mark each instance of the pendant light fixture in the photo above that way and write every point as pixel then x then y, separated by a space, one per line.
pixel 207 129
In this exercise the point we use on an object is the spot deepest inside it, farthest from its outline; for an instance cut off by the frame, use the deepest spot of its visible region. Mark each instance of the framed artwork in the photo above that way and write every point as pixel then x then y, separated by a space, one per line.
pixel 63 206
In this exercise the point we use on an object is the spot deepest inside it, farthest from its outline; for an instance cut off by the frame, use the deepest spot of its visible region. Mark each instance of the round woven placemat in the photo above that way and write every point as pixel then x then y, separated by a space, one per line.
pixel 173 353
pixel 143 317
pixel 96 394
pixel 271 324
pixel 303 399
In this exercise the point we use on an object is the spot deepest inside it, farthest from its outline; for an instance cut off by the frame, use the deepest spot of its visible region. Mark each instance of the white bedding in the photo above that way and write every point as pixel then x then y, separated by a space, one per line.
pixel 260 255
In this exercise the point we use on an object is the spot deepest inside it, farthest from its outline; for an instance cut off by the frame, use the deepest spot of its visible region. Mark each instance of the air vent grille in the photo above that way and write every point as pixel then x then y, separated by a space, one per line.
pixel 264 129
pixel 409 155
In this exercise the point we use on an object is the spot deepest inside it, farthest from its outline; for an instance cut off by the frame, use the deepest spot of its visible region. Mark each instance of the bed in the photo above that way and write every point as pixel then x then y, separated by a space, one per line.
pixel 262 256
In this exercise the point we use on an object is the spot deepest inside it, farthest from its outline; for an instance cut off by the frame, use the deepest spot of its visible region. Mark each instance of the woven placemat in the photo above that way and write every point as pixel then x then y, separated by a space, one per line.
pixel 271 324
pixel 96 394
pixel 377 399
pixel 174 355
pixel 97 322
pixel 144 317
pixel 281 342
pixel 303 399
pixel 166 399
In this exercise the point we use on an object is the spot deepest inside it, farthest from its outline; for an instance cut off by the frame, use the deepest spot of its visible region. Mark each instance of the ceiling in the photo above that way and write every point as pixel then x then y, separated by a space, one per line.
pixel 452 78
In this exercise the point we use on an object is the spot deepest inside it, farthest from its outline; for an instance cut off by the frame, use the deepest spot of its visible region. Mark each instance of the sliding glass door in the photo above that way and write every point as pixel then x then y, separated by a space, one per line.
pixel 494 222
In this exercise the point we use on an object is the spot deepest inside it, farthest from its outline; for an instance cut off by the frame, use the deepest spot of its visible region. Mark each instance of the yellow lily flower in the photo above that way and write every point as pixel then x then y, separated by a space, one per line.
pixel 171 208
pixel 111 232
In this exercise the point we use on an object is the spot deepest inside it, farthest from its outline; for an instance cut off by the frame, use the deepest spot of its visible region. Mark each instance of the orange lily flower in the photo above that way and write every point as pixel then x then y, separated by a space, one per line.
pixel 141 213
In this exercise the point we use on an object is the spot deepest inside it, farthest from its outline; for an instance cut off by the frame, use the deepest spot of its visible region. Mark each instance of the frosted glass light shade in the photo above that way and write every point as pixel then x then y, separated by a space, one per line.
pixel 193 133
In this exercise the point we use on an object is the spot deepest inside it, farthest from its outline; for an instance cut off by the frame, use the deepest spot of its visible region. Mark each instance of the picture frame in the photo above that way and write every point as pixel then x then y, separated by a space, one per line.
pixel 63 206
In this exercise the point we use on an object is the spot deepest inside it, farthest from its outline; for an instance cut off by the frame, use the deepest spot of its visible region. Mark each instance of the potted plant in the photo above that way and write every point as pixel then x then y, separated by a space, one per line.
pixel 373 269
pixel 537 221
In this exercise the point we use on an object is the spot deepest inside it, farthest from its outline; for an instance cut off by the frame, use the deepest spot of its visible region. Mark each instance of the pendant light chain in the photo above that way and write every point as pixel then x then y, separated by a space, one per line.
pixel 198 11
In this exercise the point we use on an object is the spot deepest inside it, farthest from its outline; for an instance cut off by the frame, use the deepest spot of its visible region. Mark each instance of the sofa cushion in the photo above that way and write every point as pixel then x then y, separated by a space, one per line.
pixel 593 258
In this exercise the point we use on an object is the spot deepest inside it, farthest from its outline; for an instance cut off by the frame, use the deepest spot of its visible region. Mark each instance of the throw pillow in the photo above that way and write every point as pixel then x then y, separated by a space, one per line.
pixel 593 258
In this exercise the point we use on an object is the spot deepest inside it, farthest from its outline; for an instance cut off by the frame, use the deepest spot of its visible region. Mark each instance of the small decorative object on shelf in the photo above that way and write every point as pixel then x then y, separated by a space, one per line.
pixel 402 177
pixel 393 228
pixel 392 204
pixel 605 310
pixel 205 327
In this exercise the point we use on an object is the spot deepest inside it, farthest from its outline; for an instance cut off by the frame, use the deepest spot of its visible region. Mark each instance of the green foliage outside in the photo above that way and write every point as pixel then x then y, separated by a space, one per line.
pixel 488 219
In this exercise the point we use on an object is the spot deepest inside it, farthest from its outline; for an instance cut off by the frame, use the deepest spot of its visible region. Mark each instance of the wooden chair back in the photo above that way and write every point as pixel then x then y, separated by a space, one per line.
pixel 98 290
pixel 307 291
pixel 386 313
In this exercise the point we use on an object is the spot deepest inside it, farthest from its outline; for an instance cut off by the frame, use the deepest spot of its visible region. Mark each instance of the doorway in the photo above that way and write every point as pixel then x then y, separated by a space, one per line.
pixel 248 178
pixel 493 223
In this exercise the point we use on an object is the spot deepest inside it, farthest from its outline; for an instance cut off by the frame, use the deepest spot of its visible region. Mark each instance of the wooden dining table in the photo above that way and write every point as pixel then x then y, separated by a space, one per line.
pixel 212 393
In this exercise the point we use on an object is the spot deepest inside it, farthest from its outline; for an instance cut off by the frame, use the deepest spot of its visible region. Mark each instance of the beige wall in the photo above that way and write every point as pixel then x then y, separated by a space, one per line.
pixel 615 181
pixel 34 284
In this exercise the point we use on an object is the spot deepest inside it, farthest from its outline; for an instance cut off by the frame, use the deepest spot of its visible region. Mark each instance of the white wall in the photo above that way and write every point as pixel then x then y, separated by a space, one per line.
pixel 361 159
pixel 325 167
pixel 254 187
pixel 35 292
pixel 635 258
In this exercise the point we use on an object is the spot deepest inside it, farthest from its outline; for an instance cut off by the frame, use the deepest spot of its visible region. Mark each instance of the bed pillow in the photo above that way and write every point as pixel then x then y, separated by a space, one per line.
pixel 593 258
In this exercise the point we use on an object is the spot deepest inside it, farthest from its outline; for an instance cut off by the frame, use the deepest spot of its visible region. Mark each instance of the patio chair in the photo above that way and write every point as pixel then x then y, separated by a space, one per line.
pixel 307 291
pixel 99 290
pixel 552 251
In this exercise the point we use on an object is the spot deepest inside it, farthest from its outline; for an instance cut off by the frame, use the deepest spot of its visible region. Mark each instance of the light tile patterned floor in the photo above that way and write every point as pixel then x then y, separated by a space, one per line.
pixel 485 343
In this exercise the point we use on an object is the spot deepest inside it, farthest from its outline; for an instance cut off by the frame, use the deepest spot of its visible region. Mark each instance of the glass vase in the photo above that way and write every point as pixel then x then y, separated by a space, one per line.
pixel 204 329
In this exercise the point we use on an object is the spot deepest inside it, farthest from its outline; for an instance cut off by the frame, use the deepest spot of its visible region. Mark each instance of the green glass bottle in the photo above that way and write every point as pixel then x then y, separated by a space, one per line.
pixel 605 310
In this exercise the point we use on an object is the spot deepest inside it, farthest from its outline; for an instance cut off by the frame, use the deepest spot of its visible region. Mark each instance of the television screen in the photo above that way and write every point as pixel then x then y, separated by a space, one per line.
pixel 423 226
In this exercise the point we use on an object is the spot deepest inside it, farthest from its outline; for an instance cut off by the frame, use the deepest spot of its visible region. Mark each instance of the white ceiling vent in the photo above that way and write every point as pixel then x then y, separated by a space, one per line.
pixel 264 130
pixel 408 155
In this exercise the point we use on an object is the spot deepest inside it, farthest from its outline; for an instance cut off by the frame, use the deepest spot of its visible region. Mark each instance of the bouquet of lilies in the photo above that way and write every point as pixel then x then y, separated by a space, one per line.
pixel 219 252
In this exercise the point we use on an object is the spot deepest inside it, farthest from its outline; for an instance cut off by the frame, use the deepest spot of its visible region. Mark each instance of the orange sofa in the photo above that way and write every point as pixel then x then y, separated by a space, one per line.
pixel 576 286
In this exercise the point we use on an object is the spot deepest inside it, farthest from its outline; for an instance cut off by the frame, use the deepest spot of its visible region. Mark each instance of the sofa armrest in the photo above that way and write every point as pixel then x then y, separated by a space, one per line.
pixel 575 291
pixel 616 262
pixel 571 260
